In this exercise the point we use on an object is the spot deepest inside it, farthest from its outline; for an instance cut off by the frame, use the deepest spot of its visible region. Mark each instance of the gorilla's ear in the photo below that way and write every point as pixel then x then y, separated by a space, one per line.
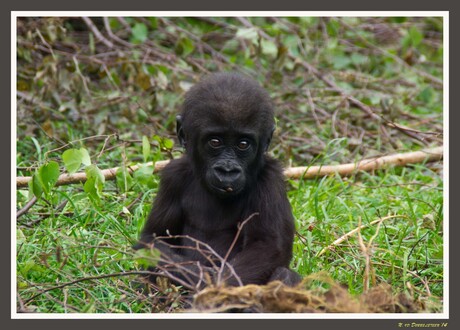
pixel 270 138
pixel 180 131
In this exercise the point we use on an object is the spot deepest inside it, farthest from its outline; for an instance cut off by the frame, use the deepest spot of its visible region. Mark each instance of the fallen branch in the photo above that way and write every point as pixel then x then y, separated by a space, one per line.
pixel 305 172
pixel 26 208
pixel 402 159
pixel 109 174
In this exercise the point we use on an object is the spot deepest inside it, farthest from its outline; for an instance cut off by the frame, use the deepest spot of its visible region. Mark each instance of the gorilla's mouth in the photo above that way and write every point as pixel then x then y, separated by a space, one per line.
pixel 228 190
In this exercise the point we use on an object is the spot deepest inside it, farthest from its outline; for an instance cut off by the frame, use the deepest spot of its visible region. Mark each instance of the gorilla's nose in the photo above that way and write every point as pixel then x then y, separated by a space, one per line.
pixel 227 173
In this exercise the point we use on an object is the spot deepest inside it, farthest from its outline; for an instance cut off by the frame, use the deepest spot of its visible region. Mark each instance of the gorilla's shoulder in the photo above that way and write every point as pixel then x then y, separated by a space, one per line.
pixel 177 170
pixel 271 175
pixel 273 167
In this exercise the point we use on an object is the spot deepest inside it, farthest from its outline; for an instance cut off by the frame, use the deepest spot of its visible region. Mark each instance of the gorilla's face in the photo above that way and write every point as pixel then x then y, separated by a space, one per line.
pixel 226 126
pixel 228 157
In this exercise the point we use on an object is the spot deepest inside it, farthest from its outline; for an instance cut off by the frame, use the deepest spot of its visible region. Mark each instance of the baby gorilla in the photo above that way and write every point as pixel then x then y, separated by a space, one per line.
pixel 224 178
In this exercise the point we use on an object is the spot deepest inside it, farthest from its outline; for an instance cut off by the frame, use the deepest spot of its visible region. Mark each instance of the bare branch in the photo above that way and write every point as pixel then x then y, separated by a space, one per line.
pixel 89 278
pixel 96 32
pixel 402 159
pixel 26 208
pixel 109 174
pixel 168 266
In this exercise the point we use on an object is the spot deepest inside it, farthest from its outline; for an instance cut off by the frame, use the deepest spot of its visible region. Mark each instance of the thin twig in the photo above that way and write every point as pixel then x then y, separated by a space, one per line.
pixel 89 278
pixel 26 207
pixel 114 36
pixel 237 235
pixel 96 32
pixel 205 250
pixel 354 231
pixel 60 207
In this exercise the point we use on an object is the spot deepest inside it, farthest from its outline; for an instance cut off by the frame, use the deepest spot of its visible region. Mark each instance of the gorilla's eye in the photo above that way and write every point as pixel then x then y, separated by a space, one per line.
pixel 243 144
pixel 215 143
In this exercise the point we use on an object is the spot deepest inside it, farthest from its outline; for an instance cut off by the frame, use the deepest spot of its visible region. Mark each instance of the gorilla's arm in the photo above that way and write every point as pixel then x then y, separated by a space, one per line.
pixel 166 219
pixel 166 215
pixel 268 237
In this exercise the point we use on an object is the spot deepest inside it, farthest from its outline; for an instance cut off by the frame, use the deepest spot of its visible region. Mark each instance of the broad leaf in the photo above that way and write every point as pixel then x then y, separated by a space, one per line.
pixel 147 257
pixel 144 176
pixel 48 175
pixel 85 158
pixel 247 33
pixel 140 32
pixel 35 187
pixel 72 159
pixel 94 183
pixel 145 148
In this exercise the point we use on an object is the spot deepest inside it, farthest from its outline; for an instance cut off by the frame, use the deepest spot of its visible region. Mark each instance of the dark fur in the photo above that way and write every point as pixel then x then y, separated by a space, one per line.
pixel 230 106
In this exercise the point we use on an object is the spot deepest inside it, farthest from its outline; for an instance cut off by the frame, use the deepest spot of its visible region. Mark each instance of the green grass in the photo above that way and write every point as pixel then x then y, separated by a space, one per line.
pixel 408 248
pixel 88 240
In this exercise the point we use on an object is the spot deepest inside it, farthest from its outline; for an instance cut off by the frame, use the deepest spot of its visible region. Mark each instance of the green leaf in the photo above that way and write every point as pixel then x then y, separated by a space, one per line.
pixel 426 95
pixel 90 188
pixel 341 62
pixel 162 80
pixel 92 171
pixel 145 148
pixel 89 307
pixel 144 176
pixel 73 158
pixel 142 115
pixel 398 19
pixel 139 32
pixel 167 143
pixel 371 99
pixel 358 59
pixel 35 186
pixel 416 36
pixel 247 33
pixel 186 46
pixel 406 41
pixel 333 28
pixel 94 183
pixel 269 48
pixel 85 158
pixel 25 267
pixel 39 149
pixel 153 22
pixel 231 46
pixel 164 143
pixel 48 175
pixel 20 237
pixel 147 257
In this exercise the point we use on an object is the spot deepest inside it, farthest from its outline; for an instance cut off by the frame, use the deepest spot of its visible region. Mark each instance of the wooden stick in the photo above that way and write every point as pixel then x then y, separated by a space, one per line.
pixel 305 172
pixel 366 164
pixel 109 174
